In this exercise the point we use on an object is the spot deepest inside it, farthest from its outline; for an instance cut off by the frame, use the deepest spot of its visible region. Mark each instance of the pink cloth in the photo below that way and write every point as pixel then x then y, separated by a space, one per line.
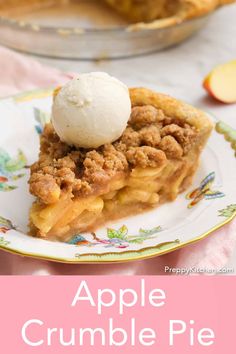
pixel 20 73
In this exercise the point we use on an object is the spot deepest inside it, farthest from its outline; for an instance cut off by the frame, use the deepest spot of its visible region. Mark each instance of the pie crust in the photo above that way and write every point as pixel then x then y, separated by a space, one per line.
pixel 149 14
pixel 177 10
pixel 154 160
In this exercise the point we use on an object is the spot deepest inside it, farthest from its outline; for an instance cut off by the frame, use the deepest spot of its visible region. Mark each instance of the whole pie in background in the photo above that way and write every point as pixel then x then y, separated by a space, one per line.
pixel 154 160
pixel 150 10
pixel 121 28
pixel 135 11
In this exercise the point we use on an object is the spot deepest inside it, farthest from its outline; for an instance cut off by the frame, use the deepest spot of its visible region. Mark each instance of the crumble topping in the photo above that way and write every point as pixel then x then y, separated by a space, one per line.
pixel 143 116
pixel 149 140
pixel 184 136
pixel 171 147
pixel 150 136
pixel 146 156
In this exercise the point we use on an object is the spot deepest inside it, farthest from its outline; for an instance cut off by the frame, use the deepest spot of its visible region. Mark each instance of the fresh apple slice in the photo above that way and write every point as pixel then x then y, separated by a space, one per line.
pixel 221 82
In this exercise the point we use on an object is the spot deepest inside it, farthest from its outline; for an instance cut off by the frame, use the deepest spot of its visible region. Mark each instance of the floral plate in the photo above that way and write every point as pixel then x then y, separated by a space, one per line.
pixel 208 205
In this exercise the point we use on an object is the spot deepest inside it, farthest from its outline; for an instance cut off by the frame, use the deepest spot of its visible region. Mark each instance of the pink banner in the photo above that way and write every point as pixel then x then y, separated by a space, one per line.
pixel 44 315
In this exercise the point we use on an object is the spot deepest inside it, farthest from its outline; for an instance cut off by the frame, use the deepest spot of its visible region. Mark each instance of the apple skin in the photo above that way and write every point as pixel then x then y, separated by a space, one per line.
pixel 219 84
pixel 207 87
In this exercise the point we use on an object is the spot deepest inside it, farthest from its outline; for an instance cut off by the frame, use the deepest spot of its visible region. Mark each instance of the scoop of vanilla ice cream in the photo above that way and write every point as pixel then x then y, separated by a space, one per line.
pixel 91 110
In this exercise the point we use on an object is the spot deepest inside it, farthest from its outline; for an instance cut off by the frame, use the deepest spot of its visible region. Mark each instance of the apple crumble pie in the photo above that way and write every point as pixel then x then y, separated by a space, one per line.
pixel 78 189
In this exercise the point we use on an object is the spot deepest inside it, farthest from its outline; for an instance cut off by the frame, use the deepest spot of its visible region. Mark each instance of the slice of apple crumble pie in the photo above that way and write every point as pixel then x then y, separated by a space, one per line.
pixel 78 189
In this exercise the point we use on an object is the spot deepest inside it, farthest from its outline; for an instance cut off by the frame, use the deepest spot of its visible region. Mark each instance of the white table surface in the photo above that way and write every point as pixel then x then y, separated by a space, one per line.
pixel 178 71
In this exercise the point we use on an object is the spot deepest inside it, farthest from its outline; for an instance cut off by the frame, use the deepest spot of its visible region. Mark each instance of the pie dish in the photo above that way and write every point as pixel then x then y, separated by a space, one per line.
pixel 154 160
pixel 61 28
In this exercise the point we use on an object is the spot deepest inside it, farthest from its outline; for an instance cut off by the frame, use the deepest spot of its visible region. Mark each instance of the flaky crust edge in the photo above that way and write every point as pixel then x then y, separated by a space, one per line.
pixel 172 107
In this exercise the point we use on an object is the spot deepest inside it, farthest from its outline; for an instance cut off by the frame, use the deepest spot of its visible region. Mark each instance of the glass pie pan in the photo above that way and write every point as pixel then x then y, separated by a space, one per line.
pixel 75 42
